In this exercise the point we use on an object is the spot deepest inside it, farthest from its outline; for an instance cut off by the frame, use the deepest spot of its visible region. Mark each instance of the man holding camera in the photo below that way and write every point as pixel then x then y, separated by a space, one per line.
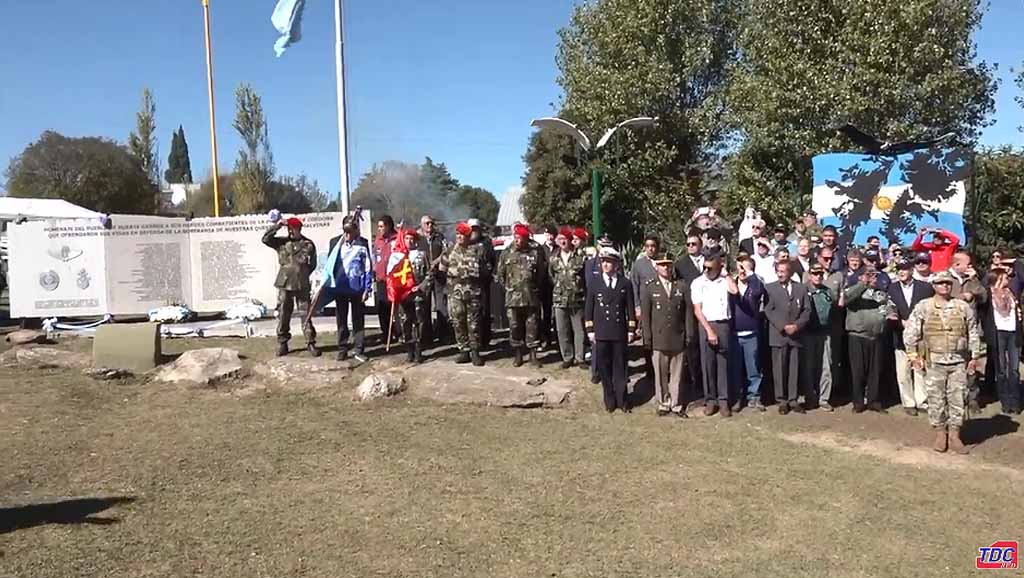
pixel 942 246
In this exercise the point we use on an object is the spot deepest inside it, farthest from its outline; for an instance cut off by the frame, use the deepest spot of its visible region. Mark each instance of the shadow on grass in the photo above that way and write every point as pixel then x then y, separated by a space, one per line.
pixel 976 431
pixel 77 511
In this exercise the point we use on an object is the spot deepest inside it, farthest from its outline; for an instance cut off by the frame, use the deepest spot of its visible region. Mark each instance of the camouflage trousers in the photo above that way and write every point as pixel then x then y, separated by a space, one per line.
pixel 946 386
pixel 287 301
pixel 464 311
pixel 523 326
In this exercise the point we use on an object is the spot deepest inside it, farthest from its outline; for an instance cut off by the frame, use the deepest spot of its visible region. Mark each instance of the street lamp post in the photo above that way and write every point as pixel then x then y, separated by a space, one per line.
pixel 565 127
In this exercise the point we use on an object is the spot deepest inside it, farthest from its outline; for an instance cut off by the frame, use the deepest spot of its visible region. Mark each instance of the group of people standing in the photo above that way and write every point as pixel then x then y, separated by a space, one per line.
pixel 791 307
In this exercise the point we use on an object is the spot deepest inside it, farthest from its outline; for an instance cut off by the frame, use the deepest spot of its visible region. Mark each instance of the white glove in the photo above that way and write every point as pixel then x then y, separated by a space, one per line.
pixel 590 336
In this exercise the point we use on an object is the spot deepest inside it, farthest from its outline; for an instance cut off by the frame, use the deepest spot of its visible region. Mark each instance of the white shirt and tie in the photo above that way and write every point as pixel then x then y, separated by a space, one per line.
pixel 610 281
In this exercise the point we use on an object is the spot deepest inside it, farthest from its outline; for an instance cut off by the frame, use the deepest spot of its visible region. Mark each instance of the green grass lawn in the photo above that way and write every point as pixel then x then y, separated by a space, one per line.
pixel 313 484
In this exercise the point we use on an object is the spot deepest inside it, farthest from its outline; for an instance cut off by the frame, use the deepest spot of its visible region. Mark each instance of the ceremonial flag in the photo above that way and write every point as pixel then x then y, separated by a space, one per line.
pixel 400 279
pixel 287 19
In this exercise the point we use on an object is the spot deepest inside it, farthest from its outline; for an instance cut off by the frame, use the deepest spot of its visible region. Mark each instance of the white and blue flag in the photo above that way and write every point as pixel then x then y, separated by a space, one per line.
pixel 287 19
pixel 891 196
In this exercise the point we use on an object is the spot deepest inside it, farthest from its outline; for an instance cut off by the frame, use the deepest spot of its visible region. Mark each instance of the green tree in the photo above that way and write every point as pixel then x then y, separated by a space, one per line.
pixel 142 141
pixel 179 167
pixel 95 173
pixel 624 58
pixel 995 208
pixel 479 203
pixel 898 70
pixel 1020 98
pixel 200 204
pixel 254 168
pixel 297 195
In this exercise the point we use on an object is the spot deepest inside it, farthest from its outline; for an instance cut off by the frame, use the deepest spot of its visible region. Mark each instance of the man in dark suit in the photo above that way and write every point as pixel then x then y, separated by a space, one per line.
pixel 788 311
pixel 905 294
pixel 663 309
pixel 591 277
pixel 688 268
pixel 610 322
pixel 757 232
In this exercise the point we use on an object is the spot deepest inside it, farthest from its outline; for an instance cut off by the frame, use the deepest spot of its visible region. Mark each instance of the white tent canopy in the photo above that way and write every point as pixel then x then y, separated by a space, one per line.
pixel 12 208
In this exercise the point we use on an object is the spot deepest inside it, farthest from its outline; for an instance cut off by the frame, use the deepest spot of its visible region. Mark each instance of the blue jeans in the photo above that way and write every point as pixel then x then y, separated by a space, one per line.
pixel 751 366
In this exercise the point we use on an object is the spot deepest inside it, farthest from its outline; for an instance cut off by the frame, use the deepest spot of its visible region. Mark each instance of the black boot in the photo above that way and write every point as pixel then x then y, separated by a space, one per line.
pixel 313 351
pixel 475 356
pixel 463 357
pixel 410 353
pixel 282 349
pixel 417 355
pixel 533 358
pixel 518 360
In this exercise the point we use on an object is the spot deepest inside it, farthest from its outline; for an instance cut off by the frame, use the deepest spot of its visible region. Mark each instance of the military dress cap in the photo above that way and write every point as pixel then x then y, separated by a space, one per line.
pixel 872 256
pixel 816 269
pixel 904 265
pixel 780 228
pixel 816 239
pixel 665 259
pixel 473 223
pixel 463 229
pixel 609 254
pixel 604 241
pixel 942 277
pixel 294 223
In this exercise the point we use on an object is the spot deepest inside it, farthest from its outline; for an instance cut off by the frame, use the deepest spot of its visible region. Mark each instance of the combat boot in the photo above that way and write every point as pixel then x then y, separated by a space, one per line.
pixel 282 349
pixel 517 361
pixel 463 357
pixel 475 356
pixel 941 440
pixel 312 349
pixel 955 443
pixel 417 354
pixel 533 358
pixel 410 353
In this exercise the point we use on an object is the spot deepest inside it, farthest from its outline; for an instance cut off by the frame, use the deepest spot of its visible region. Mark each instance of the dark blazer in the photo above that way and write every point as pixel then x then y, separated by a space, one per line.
pixel 663 316
pixel 798 267
pixel 610 313
pixel 921 292
pixel 781 309
pixel 686 270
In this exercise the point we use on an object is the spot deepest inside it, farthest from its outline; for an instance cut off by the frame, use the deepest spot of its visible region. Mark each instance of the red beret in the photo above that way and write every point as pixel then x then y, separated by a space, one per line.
pixel 294 223
pixel 413 232
pixel 521 230
pixel 580 233
pixel 565 232
pixel 463 229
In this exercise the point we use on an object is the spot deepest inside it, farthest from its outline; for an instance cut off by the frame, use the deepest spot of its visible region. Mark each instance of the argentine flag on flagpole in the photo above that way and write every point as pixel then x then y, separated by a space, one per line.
pixel 287 19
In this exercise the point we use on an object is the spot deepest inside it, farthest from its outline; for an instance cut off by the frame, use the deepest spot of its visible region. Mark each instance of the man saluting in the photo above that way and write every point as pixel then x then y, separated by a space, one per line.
pixel 296 256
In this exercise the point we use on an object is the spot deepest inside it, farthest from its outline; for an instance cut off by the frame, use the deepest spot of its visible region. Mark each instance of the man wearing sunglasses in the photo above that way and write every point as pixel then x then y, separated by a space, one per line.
pixel 950 333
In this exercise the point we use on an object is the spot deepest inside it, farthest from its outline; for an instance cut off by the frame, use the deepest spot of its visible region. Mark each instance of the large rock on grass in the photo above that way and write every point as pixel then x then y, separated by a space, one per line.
pixel 26 337
pixel 448 382
pixel 379 385
pixel 203 366
pixel 44 358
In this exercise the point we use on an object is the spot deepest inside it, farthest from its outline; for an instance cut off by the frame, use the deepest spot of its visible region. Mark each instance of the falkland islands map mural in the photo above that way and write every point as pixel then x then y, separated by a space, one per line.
pixel 891 196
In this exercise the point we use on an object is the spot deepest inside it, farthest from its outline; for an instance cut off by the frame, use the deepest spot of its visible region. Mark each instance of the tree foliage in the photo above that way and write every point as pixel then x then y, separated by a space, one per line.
pixel 898 70
pixel 995 207
pixel 407 191
pixel 620 59
pixel 298 194
pixel 95 173
pixel 254 168
pixel 200 204
pixel 142 142
pixel 179 167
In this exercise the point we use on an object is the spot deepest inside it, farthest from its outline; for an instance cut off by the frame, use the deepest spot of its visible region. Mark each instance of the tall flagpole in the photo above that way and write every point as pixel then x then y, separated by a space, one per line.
pixel 213 117
pixel 339 59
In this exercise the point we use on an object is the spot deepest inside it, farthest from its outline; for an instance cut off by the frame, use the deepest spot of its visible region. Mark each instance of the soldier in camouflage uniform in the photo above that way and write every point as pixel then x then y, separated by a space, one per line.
pixel 519 272
pixel 296 256
pixel 948 330
pixel 466 266
pixel 416 306
pixel 565 268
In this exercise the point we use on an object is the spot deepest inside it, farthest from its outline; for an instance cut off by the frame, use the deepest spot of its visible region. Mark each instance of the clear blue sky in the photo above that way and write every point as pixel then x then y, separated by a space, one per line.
pixel 458 80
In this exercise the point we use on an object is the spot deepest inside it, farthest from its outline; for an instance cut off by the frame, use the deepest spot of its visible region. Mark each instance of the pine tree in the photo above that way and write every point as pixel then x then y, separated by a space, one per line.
pixel 142 141
pixel 179 167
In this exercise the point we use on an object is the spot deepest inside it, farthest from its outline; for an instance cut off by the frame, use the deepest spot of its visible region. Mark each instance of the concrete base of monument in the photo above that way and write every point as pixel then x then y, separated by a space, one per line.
pixel 268 327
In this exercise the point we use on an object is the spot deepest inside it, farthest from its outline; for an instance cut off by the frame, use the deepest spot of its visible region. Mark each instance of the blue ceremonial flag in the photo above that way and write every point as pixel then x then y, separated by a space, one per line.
pixel 287 19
